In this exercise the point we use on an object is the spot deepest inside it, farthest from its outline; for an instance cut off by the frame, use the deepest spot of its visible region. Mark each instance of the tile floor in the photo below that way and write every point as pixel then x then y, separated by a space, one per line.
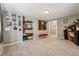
pixel 50 46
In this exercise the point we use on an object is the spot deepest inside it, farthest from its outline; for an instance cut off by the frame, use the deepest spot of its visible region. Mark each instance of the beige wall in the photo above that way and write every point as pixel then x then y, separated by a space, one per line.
pixel 16 35
pixel 12 35
pixel 61 24
pixel 56 26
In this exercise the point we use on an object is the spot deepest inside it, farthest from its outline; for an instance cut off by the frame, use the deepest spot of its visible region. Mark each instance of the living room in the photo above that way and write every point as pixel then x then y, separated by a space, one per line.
pixel 38 24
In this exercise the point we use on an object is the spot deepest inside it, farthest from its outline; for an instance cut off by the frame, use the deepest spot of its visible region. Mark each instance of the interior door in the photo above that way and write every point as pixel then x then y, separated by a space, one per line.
pixel 53 27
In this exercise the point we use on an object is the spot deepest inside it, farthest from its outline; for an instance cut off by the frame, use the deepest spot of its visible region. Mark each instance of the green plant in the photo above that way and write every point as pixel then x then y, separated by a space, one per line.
pixel 77 22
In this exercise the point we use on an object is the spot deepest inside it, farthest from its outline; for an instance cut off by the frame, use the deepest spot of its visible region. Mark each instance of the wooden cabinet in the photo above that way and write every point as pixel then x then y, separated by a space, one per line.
pixel 65 34
pixel 76 41
pixel 71 32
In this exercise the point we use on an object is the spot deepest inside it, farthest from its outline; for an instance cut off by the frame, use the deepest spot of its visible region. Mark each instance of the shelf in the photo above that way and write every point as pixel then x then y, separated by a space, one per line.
pixel 71 33
pixel 27 21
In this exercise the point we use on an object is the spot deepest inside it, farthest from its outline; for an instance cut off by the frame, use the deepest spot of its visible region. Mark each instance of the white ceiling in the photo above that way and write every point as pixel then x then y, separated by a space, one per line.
pixel 56 10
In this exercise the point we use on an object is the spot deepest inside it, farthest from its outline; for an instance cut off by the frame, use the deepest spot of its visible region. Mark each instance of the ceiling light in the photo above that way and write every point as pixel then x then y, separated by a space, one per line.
pixel 46 11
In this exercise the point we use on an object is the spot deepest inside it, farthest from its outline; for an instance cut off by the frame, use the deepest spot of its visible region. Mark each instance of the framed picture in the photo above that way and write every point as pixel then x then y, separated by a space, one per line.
pixel 19 23
pixel 9 24
pixel 7 18
pixel 14 24
pixel 14 19
pixel 7 29
pixel 15 27
pixel 19 17
pixel 14 15
pixel 19 29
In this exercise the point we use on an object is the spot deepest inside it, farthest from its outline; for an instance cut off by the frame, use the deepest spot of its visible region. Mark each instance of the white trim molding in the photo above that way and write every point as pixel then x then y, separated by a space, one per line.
pixel 1 48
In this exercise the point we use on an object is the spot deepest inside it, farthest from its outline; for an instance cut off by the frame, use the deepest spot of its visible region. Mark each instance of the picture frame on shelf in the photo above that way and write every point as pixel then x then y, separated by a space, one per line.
pixel 19 17
pixel 19 23
pixel 13 19
pixel 7 18
pixel 9 24
pixel 14 24
pixel 14 15
pixel 19 29
pixel 7 29
pixel 15 27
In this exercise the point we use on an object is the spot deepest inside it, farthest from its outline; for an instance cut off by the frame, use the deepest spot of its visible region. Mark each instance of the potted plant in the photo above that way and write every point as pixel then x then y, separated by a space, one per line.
pixel 77 22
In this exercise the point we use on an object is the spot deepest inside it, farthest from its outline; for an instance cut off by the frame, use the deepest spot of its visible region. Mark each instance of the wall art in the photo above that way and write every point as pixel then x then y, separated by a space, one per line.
pixel 14 19
pixel 7 18
pixel 9 24
pixel 15 27
pixel 14 15
pixel 19 29
pixel 19 17
pixel 19 23
pixel 14 24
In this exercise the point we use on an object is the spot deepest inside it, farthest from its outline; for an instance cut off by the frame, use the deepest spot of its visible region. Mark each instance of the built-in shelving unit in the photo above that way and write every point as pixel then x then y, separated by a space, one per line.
pixel 71 32
pixel 27 29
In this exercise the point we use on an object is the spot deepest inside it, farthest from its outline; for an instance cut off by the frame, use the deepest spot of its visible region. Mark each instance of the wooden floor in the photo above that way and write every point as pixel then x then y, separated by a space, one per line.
pixel 50 46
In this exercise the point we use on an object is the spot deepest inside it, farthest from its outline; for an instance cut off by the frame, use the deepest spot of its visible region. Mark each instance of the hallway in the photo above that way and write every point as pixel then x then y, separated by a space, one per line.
pixel 51 46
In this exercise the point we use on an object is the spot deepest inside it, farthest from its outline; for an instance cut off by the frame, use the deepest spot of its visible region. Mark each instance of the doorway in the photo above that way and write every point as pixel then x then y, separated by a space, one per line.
pixel 53 27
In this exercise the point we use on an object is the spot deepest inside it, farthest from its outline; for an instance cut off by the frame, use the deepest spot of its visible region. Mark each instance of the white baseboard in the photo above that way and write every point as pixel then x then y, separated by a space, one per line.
pixel 12 43
pixel 61 37
pixel 1 48
pixel 16 42
pixel 35 38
